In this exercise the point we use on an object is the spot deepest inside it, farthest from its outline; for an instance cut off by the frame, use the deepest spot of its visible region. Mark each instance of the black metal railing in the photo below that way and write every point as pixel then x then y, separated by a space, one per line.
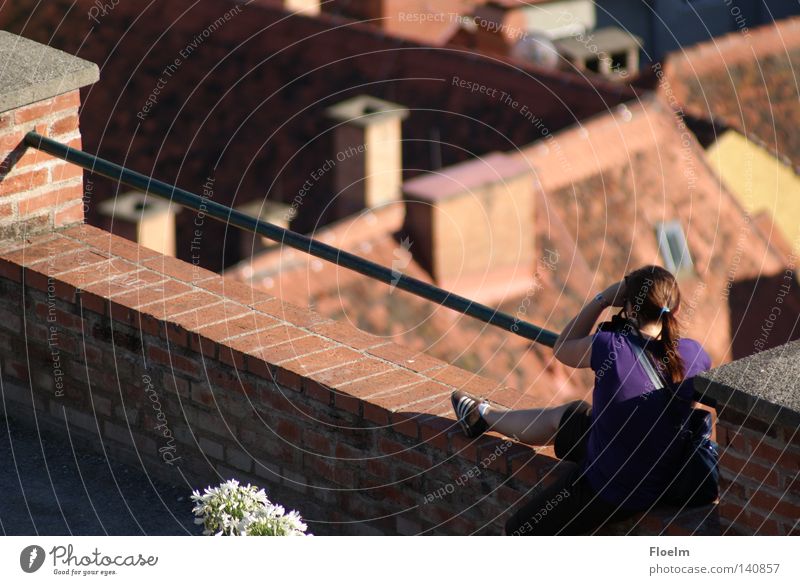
pixel 223 213
pixel 289 238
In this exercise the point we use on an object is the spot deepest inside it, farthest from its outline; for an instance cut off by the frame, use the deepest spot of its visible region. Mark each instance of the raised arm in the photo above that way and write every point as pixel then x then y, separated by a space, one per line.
pixel 574 345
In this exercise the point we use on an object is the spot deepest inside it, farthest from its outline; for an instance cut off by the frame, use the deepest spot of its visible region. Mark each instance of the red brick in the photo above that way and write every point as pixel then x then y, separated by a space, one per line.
pixel 781 454
pixel 10 270
pixel 781 504
pixel 176 268
pixel 92 302
pixel 124 282
pixel 234 320
pixel 33 111
pixel 11 141
pixel 47 251
pixel 207 347
pixel 347 373
pixel 319 392
pixel 347 334
pixel 287 312
pixel 231 289
pixel 231 357
pixel 195 300
pixel 79 260
pixel 376 413
pixel 405 423
pixel 345 402
pixel 271 342
pixel 109 243
pixel 65 125
pixel 68 100
pixel 317 442
pixel 383 383
pixel 463 380
pixel 415 361
pixel 174 360
pixel 289 379
pixel 434 431
pixel 150 293
pixel 66 171
pixel 406 397
pixel 329 356
pixel 26 181
pixel 748 468
pixel 399 452
pixel 98 273
pixel 68 215
pixel 289 430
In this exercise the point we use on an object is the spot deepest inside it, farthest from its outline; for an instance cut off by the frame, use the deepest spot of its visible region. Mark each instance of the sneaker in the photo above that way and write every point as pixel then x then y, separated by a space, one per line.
pixel 466 408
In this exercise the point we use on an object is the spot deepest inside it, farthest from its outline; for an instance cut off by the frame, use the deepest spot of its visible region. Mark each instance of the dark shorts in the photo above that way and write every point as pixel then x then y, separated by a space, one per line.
pixel 567 504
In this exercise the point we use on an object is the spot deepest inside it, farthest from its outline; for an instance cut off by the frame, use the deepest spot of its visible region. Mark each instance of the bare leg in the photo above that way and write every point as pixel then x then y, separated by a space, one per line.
pixel 535 426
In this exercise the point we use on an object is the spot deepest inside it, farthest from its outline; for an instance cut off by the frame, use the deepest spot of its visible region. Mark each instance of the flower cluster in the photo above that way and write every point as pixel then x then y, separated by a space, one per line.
pixel 234 510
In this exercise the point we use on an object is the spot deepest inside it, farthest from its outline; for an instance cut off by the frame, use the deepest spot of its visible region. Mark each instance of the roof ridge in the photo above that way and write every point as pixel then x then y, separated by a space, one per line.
pixel 733 47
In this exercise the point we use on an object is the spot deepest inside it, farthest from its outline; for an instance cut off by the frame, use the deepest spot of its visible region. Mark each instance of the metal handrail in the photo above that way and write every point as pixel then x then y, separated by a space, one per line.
pixel 220 212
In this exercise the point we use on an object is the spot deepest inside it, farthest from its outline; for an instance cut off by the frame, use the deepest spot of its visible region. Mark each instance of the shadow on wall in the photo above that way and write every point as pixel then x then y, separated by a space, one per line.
pixel 765 313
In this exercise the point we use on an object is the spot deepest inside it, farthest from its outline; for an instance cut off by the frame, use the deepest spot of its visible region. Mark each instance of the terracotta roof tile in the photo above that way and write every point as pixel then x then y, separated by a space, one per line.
pixel 746 81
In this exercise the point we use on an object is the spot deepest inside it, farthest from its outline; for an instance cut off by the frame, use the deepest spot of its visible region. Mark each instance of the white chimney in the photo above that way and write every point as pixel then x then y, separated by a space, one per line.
pixel 146 220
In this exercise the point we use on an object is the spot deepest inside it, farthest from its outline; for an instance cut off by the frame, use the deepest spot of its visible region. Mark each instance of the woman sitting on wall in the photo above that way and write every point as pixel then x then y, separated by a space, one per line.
pixel 621 452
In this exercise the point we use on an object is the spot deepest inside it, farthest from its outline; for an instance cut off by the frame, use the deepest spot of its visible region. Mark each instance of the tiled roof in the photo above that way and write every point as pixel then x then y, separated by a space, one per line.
pixel 248 104
pixel 748 81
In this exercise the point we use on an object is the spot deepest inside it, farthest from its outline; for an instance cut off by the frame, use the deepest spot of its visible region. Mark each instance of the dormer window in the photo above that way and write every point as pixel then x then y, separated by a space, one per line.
pixel 673 247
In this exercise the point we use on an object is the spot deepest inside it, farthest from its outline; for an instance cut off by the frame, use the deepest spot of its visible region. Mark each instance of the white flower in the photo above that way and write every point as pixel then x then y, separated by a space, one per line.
pixel 233 510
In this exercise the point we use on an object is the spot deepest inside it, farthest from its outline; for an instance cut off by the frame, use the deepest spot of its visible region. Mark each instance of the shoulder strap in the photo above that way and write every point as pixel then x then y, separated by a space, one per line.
pixel 658 382
pixel 641 356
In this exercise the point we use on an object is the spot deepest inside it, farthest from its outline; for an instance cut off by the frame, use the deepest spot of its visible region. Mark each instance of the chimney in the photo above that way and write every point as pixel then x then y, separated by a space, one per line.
pixel 146 220
pixel 368 153
pixel 471 226
pixel 304 7
pixel 273 212
pixel 358 9
pixel 39 91
pixel 491 27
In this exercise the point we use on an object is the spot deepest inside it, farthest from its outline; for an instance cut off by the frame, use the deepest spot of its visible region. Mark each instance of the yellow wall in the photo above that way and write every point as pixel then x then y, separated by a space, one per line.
pixel 760 182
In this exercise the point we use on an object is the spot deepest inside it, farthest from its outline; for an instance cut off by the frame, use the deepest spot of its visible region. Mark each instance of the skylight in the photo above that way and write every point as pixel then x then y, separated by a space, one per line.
pixel 673 247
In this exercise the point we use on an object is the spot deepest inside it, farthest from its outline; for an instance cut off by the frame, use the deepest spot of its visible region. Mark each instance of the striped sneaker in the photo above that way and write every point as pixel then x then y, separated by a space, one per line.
pixel 466 408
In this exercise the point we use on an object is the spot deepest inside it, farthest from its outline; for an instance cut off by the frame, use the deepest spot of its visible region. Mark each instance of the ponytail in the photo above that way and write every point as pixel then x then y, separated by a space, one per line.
pixel 672 359
pixel 654 296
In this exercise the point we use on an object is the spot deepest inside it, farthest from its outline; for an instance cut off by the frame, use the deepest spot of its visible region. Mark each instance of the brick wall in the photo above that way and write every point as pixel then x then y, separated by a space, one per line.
pixel 758 430
pixel 158 363
pixel 760 475
pixel 38 191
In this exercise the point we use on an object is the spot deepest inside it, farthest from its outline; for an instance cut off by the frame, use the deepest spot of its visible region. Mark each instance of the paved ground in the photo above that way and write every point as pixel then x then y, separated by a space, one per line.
pixel 46 488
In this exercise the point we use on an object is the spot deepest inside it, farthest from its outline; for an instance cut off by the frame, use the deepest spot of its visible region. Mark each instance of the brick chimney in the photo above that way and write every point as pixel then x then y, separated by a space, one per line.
pixel 148 221
pixel 38 91
pixel 368 153
pixel 471 226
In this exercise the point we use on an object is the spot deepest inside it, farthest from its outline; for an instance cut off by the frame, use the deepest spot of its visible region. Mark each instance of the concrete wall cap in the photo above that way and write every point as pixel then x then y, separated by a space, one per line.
pixel 32 72
pixel 765 386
